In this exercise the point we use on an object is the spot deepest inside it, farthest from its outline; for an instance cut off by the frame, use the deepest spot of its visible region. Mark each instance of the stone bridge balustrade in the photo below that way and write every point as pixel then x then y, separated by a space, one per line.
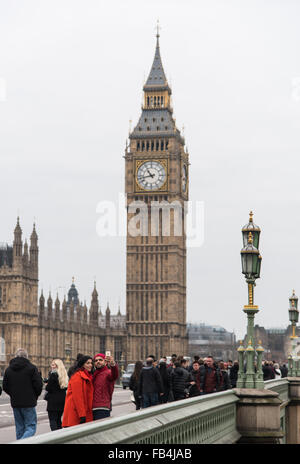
pixel 270 415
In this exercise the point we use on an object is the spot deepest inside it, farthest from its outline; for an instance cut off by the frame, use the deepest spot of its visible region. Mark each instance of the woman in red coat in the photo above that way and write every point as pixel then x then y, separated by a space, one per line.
pixel 79 398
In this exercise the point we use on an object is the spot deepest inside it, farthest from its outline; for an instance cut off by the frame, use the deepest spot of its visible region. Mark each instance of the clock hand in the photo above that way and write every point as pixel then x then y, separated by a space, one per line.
pixel 151 175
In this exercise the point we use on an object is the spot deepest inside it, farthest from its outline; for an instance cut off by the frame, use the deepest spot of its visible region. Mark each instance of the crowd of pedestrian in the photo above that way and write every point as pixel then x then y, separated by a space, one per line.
pixel 272 370
pixel 84 393
pixel 155 382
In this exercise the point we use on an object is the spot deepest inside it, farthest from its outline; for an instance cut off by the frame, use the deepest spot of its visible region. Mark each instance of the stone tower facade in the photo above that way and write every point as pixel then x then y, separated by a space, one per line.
pixel 156 186
pixel 19 295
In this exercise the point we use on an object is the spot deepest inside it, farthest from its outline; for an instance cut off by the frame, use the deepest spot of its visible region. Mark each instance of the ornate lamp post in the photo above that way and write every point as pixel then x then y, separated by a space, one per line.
pixel 68 352
pixel 251 266
pixel 293 317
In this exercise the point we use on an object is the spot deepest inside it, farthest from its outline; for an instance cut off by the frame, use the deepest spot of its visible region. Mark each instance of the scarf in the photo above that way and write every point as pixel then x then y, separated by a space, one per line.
pixel 88 374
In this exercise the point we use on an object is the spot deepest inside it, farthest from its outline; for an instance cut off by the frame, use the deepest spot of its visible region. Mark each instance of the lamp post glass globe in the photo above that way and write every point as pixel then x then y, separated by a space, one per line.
pixel 251 259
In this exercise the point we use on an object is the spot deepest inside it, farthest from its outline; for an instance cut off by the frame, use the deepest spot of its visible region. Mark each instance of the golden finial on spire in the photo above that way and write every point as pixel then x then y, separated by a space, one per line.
pixel 250 238
pixel 73 279
pixel 251 216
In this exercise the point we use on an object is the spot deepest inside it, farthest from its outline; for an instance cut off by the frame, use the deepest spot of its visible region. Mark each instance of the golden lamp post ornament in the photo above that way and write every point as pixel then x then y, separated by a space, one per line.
pixel 251 265
pixel 294 368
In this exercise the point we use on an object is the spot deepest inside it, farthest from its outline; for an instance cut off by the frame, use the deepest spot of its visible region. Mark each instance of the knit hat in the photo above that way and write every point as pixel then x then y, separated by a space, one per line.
pixel 100 355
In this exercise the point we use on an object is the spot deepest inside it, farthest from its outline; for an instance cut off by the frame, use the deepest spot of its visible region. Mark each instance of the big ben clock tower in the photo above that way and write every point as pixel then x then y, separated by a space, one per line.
pixel 156 182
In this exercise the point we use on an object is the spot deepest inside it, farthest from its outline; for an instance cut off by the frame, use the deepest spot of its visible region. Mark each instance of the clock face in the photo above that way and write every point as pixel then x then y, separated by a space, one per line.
pixel 184 178
pixel 151 175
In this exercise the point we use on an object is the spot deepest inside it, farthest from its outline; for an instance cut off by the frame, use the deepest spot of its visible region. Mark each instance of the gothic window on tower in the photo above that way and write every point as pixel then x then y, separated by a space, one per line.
pixel 102 344
pixel 118 348
pixel 0 295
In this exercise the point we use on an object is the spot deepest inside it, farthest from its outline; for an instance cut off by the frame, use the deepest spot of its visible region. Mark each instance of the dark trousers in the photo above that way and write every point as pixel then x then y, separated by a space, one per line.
pixel 150 399
pixel 55 419
pixel 179 396
pixel 100 414
pixel 164 398
pixel 137 400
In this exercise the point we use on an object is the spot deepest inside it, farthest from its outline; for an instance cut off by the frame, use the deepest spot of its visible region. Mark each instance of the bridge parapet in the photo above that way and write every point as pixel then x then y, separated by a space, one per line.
pixel 203 419
pixel 269 415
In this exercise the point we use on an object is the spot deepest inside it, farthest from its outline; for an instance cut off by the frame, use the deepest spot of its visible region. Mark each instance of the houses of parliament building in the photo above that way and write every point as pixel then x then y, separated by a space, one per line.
pixel 156 170
pixel 49 329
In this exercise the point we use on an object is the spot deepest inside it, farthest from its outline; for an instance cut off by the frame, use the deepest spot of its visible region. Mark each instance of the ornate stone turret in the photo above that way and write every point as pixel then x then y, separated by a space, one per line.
pixel 49 306
pixel 73 295
pixel 65 310
pixel 17 245
pixel 57 308
pixel 71 310
pixel 107 317
pixel 25 254
pixel 42 306
pixel 84 313
pixel 34 252
pixel 94 309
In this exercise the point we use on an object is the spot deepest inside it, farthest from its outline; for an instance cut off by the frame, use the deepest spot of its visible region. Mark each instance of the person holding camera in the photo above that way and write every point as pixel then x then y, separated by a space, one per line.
pixel 104 377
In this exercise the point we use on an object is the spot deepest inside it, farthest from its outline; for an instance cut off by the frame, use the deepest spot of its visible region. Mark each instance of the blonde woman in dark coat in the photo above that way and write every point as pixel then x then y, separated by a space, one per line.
pixel 56 393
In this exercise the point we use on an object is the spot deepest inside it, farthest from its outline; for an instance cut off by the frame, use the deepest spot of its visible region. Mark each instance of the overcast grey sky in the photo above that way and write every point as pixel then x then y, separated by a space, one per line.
pixel 71 77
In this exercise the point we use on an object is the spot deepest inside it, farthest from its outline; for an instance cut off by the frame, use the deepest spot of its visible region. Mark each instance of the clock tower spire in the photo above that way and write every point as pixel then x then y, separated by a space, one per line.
pixel 156 181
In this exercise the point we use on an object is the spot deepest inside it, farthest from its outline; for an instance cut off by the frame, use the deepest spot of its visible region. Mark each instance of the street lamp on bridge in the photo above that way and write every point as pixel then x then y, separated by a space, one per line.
pixel 68 352
pixel 293 317
pixel 251 266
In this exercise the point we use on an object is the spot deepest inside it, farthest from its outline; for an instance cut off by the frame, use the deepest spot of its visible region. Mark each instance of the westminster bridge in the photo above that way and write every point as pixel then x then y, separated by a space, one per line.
pixel 270 415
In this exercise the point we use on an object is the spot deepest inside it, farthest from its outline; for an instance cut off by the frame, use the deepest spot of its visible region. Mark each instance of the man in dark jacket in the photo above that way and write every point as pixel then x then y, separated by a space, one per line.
pixel 23 383
pixel 150 384
pixel 180 380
